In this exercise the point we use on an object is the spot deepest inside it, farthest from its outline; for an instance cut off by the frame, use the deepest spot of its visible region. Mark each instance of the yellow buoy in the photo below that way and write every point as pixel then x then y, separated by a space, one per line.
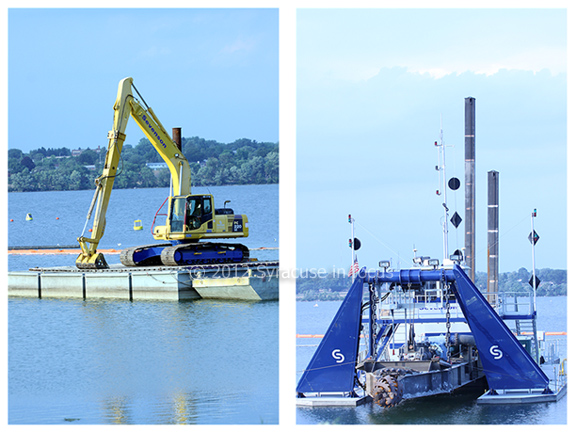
pixel 137 225
pixel 29 217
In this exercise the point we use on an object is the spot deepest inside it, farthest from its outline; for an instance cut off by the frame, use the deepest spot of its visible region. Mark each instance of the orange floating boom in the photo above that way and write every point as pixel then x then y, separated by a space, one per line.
pixel 56 251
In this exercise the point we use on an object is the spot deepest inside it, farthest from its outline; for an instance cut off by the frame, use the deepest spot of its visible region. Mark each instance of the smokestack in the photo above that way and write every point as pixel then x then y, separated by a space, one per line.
pixel 177 137
pixel 493 192
pixel 470 180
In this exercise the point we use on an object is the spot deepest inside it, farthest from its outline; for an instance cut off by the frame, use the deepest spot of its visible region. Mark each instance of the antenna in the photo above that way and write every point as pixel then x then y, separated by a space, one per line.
pixel 441 168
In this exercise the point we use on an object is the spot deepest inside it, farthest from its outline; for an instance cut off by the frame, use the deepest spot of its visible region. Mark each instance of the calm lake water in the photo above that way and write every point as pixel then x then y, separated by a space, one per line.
pixel 59 218
pixel 144 362
pixel 315 317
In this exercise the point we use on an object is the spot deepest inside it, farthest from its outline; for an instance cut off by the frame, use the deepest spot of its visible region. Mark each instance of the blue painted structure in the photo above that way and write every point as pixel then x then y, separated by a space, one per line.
pixel 333 365
pixel 184 253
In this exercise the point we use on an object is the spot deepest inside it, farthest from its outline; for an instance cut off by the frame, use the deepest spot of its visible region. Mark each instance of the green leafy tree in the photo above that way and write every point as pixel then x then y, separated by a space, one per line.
pixel 23 181
pixel 28 163
pixel 37 156
pixel 163 178
pixel 147 178
pixel 75 180
pixel 88 157
pixel 245 153
pixel 15 154
pixel 271 167
pixel 14 166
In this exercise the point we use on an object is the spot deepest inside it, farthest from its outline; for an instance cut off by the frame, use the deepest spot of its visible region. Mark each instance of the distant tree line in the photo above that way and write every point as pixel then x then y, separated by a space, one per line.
pixel 330 287
pixel 333 287
pixel 212 163
pixel 552 282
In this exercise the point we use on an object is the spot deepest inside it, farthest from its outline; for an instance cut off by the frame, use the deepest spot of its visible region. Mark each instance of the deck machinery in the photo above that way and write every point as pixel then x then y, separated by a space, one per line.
pixel 372 346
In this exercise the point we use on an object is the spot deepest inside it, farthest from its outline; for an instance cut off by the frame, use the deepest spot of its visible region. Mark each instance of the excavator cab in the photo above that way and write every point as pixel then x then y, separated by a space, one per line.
pixel 190 213
pixel 194 217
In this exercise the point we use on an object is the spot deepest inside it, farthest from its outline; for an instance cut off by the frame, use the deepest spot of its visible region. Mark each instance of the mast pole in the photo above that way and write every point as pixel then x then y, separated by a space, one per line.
pixel 442 167
pixel 533 261
pixel 534 286
pixel 352 240
pixel 444 203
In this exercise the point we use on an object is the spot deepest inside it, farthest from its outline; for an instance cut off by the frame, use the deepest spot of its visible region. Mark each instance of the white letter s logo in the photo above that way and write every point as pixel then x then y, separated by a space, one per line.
pixel 338 356
pixel 495 351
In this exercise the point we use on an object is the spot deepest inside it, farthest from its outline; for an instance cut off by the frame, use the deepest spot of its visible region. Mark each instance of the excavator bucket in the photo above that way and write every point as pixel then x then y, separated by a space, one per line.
pixel 94 262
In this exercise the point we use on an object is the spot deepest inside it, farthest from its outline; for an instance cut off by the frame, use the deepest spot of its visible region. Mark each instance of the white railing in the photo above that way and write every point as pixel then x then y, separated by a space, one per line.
pixel 426 305
pixel 514 304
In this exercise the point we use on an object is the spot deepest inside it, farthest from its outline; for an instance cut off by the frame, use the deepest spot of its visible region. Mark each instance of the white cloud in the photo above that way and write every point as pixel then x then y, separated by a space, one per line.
pixel 156 51
pixel 238 45
pixel 354 47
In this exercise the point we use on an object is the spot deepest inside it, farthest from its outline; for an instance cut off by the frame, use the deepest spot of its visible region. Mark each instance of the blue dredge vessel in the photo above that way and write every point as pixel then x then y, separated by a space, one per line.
pixel 428 330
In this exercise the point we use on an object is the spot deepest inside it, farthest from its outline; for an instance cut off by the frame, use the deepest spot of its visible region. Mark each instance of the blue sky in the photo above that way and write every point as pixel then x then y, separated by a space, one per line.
pixel 212 72
pixel 374 88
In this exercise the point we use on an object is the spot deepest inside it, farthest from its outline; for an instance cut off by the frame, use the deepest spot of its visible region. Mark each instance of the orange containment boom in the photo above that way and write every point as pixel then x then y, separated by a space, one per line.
pixel 51 250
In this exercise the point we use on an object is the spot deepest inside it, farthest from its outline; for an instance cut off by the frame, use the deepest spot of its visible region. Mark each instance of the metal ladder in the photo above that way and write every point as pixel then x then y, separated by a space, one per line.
pixel 527 327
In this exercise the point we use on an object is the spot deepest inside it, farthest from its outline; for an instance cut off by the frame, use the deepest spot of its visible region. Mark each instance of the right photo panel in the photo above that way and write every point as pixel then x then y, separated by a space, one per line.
pixel 431 232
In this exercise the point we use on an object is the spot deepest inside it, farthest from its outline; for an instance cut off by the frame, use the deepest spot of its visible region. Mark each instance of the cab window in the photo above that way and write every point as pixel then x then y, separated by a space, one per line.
pixel 194 210
pixel 207 209
pixel 177 215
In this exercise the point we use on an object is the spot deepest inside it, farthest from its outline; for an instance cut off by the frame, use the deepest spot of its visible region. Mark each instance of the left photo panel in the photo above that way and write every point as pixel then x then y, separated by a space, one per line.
pixel 143 221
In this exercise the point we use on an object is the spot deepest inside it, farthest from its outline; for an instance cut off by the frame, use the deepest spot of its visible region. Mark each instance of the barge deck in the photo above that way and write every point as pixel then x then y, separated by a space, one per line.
pixel 252 281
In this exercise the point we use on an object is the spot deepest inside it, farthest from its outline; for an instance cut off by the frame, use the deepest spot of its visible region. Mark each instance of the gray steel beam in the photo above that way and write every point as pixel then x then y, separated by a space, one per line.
pixel 493 210
pixel 470 185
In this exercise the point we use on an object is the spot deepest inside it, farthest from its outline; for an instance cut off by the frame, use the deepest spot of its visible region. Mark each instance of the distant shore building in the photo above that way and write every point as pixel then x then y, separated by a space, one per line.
pixel 156 165
pixel 77 152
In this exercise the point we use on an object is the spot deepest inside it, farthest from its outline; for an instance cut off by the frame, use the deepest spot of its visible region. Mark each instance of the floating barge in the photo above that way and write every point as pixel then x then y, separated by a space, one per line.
pixel 252 281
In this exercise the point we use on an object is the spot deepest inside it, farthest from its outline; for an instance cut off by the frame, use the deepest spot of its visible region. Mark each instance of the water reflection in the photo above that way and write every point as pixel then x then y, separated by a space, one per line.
pixel 145 362
pixel 443 409
pixel 178 408
pixel 116 409
pixel 184 411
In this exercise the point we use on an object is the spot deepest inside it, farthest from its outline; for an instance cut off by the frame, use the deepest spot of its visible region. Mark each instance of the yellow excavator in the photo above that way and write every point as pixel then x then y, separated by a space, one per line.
pixel 190 218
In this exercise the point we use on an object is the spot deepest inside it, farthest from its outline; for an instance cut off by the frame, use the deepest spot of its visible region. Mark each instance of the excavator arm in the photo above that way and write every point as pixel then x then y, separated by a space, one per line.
pixel 127 105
